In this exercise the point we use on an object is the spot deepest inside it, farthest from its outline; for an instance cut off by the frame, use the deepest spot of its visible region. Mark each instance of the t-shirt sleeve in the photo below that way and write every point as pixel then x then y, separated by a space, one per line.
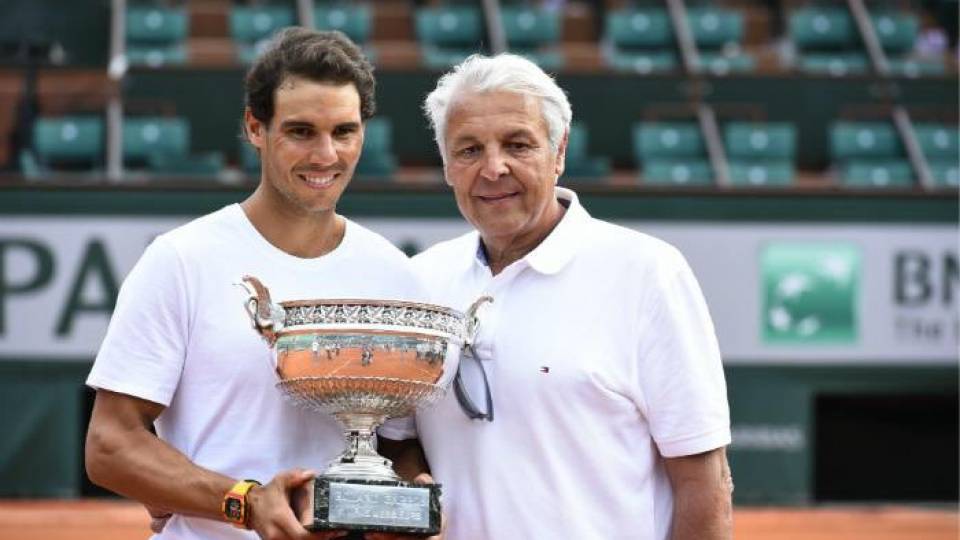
pixel 143 352
pixel 680 372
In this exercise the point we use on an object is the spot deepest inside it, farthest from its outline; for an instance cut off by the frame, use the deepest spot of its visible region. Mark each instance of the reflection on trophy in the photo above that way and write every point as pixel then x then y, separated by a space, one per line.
pixel 364 361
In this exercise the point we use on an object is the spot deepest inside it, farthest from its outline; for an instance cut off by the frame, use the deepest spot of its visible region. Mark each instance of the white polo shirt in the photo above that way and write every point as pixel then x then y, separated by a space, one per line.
pixel 602 358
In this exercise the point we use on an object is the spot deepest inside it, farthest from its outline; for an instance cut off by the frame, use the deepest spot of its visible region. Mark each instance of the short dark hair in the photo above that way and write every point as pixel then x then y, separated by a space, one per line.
pixel 323 56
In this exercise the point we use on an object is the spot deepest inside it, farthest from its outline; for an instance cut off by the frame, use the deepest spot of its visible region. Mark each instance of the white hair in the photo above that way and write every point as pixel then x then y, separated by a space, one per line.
pixel 503 72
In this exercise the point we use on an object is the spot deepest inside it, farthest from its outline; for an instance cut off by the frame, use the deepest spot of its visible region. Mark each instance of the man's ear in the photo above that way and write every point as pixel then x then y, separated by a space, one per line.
pixel 562 154
pixel 255 130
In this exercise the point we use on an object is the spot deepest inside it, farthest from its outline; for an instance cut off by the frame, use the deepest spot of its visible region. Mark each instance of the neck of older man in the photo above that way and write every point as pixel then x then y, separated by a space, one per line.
pixel 502 251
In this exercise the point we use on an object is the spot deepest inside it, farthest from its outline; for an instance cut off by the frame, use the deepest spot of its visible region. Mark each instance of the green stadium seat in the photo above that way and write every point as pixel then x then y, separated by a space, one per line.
pixel 720 63
pixel 864 140
pixel 203 164
pixel 156 35
pixel 638 28
pixel 938 141
pixel 579 163
pixel 877 174
pixel 156 24
pixel 667 140
pixel 760 141
pixel 138 55
pixel 760 154
pixel 531 32
pixel 69 141
pixel 897 32
pixel 377 160
pixel 639 61
pixel 528 27
pixel 448 34
pixel 834 64
pixel 251 26
pixel 946 174
pixel 677 173
pixel 352 20
pixel 761 173
pixel 713 27
pixel 917 67
pixel 820 27
pixel 143 137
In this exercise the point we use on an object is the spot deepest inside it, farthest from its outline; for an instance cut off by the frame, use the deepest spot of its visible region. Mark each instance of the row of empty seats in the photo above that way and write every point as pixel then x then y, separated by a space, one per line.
pixel 865 154
pixel 162 145
pixel 758 154
pixel 827 41
pixel 641 39
pixel 158 144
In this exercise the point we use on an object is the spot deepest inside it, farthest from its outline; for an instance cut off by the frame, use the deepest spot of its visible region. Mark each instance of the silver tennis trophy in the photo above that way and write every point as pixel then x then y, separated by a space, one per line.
pixel 363 361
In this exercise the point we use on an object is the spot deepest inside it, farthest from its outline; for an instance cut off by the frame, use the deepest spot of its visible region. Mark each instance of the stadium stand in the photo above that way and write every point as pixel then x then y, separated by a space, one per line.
pixel 580 165
pixel 672 153
pixel 534 32
pixel 869 154
pixel 639 40
pixel 252 26
pixel 377 161
pixel 353 20
pixel 448 34
pixel 760 154
pixel 156 35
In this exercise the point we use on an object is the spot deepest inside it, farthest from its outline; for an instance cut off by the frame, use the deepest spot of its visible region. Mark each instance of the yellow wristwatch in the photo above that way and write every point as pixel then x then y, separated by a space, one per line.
pixel 234 507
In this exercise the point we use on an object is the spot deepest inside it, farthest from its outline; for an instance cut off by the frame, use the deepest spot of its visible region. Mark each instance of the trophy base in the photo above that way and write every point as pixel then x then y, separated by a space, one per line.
pixel 355 505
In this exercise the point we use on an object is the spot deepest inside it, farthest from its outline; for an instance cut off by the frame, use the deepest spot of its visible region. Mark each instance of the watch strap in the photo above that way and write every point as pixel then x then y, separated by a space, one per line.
pixel 234 507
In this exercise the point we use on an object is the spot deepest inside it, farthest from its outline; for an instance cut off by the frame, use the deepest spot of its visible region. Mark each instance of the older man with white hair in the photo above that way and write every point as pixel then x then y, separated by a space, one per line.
pixel 597 354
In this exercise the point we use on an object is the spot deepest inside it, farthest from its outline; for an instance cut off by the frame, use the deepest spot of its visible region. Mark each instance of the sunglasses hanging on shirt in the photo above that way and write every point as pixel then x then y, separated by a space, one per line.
pixel 467 404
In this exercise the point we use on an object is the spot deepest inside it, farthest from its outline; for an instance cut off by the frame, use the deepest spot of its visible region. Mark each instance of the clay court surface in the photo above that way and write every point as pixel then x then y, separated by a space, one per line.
pixel 111 520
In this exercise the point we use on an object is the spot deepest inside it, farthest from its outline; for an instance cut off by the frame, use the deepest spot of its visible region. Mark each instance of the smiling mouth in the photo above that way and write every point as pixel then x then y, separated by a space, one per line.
pixel 319 180
pixel 495 198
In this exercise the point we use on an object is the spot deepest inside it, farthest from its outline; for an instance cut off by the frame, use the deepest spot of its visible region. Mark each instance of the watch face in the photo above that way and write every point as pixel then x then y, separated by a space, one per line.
pixel 233 508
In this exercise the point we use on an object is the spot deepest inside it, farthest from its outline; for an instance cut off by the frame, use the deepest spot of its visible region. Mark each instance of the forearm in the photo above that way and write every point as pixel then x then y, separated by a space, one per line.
pixel 124 456
pixel 702 496
pixel 703 516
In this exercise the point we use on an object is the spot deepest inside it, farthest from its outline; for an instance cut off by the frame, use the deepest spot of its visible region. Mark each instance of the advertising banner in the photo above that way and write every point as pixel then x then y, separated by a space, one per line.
pixel 778 293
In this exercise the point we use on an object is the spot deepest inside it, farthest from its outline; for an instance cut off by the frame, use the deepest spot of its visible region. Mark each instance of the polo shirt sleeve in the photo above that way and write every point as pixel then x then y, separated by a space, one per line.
pixel 399 429
pixel 143 352
pixel 680 372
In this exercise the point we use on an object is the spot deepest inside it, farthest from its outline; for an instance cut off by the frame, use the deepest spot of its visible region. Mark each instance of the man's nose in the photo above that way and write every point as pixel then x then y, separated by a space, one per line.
pixel 323 153
pixel 494 165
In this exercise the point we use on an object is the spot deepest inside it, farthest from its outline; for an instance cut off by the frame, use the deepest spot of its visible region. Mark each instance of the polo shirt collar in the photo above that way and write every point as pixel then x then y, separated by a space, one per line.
pixel 559 247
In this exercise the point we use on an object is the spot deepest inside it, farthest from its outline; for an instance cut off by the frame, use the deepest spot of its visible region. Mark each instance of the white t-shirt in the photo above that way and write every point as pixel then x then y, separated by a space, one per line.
pixel 180 337
pixel 602 358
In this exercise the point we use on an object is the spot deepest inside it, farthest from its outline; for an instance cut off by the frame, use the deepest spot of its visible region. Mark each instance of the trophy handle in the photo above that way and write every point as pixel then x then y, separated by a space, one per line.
pixel 267 318
pixel 473 322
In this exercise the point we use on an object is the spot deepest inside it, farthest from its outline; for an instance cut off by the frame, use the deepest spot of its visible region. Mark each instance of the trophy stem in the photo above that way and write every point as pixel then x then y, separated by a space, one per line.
pixel 360 460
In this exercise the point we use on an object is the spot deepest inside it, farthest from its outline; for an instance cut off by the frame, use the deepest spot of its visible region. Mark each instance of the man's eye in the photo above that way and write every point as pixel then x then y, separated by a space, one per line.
pixel 469 151
pixel 342 132
pixel 518 146
pixel 301 132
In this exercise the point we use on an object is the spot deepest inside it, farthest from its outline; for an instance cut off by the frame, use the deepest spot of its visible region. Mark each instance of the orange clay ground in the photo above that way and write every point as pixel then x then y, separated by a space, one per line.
pixel 114 520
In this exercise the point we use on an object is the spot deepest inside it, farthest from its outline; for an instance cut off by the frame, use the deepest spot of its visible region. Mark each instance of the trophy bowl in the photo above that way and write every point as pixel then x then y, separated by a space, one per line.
pixel 363 361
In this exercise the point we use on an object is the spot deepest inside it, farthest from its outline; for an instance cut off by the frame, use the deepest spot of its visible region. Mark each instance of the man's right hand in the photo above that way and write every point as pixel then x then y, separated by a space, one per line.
pixel 271 512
